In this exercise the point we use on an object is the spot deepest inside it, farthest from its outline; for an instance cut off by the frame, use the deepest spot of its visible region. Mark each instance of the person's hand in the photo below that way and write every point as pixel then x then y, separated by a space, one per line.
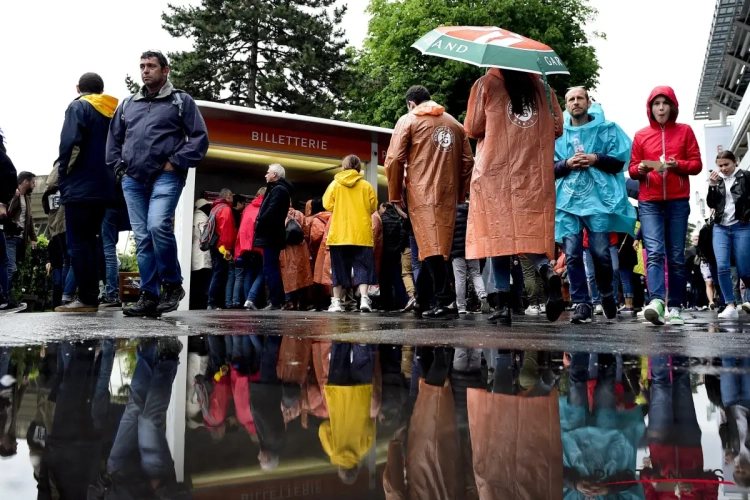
pixel 714 178
pixel 18 193
pixel 672 163
pixel 401 211
pixel 588 160
pixel 3 211
pixel 636 245
pixel 33 245
pixel 643 169
pixel 576 162
pixel 168 167
pixel 48 267
pixel 591 488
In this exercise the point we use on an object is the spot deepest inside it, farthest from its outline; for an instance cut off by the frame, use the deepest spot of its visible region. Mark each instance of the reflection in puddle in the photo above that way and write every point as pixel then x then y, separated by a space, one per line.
pixel 252 416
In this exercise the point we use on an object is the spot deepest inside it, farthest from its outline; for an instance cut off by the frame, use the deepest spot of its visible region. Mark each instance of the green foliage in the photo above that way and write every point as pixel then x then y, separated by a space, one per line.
pixel 387 66
pixel 133 86
pixel 283 55
pixel 128 262
pixel 32 276
pixel 689 235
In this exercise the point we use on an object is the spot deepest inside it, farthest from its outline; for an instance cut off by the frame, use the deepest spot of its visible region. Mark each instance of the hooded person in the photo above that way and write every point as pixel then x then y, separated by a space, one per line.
pixel 248 256
pixel 200 263
pixel 664 156
pixel 590 194
pixel 512 196
pixel 87 184
pixel 296 271
pixel 430 158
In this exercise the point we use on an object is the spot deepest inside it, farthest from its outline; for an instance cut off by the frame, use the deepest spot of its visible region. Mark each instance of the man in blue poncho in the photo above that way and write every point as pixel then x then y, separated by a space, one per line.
pixel 591 195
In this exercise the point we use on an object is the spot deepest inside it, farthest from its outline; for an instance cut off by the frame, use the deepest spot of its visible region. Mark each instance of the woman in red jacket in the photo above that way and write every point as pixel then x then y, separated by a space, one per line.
pixel 248 257
pixel 664 199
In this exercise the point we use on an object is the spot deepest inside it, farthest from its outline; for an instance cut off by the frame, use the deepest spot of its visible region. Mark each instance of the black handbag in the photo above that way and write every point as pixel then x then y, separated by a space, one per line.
pixel 294 234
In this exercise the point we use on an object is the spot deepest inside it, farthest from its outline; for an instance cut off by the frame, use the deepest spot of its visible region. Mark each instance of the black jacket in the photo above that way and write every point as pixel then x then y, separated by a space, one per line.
pixel 393 231
pixel 459 232
pixel 270 226
pixel 8 177
pixel 717 197
pixel 83 174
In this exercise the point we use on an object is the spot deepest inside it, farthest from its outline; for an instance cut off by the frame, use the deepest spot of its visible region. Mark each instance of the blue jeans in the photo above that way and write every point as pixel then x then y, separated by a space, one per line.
pixel 253 276
pixel 626 276
pixel 110 236
pixel 671 418
pixel 416 264
pixel 217 288
pixel 735 386
pixel 235 285
pixel 272 273
pixel 12 250
pixel 501 269
pixel 141 430
pixel 600 267
pixel 71 284
pixel 664 228
pixel 4 288
pixel 100 405
pixel 728 241
pixel 151 208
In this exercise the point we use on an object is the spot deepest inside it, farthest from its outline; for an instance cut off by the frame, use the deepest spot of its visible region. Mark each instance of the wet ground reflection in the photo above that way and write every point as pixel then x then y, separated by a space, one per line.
pixel 271 416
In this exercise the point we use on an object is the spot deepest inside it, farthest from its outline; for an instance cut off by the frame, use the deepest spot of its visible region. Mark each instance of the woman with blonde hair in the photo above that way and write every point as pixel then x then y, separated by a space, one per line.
pixel 352 201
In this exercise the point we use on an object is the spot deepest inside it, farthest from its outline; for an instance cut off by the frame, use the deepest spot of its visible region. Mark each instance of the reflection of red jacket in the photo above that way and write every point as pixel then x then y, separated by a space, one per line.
pixel 665 459
pixel 234 386
pixel 675 140
pixel 247 228
pixel 225 225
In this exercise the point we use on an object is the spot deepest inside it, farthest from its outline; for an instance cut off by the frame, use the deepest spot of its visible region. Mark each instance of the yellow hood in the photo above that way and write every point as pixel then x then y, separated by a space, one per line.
pixel 348 178
pixel 104 104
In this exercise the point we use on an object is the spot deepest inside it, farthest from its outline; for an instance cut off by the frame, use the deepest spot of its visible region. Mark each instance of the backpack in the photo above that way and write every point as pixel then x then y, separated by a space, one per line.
pixel 203 388
pixel 209 237
pixel 706 243
pixel 294 234
pixel 176 100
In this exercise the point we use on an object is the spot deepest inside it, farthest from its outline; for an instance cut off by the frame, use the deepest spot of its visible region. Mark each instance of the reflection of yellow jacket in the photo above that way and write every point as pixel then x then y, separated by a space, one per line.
pixel 350 432
pixel 352 201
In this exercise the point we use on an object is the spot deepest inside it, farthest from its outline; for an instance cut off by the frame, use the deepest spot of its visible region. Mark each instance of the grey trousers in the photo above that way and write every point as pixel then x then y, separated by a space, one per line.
pixel 462 268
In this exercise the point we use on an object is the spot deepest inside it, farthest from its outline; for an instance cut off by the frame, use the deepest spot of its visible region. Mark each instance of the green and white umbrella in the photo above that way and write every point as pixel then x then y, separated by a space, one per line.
pixel 491 47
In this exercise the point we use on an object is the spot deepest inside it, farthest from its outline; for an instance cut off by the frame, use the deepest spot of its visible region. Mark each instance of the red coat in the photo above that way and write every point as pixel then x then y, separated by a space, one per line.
pixel 613 238
pixel 225 226
pixel 682 462
pixel 674 140
pixel 247 228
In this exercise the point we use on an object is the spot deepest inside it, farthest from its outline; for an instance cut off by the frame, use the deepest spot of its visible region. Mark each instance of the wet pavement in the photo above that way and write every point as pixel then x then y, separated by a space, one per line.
pixel 281 405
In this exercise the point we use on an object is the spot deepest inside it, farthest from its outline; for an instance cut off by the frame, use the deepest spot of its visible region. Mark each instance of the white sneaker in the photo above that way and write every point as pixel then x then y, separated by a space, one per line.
pixel 599 310
pixel 729 313
pixel 462 310
pixel 365 305
pixel 674 317
pixel 249 305
pixel 336 306
pixel 746 307
pixel 543 309
pixel 533 311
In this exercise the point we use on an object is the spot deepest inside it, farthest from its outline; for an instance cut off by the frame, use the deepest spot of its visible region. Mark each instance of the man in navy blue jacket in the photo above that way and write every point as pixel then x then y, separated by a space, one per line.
pixel 155 137
pixel 87 185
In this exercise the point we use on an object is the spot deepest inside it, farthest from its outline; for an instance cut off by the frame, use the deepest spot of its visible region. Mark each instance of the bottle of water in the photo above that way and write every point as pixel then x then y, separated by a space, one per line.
pixel 577 145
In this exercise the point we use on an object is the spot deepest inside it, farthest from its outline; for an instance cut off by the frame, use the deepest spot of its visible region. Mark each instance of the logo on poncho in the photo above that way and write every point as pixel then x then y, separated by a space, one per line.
pixel 443 139
pixel 578 184
pixel 526 120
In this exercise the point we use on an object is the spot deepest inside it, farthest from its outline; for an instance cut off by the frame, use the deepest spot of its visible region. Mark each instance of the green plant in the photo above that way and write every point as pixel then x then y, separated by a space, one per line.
pixel 32 278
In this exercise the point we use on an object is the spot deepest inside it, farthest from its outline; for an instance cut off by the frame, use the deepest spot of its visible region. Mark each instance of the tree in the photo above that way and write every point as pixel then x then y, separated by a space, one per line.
pixel 387 66
pixel 283 55
pixel 133 86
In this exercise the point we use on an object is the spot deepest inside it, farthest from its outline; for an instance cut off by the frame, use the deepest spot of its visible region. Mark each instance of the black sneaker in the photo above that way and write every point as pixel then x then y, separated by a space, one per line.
pixel 441 313
pixel 169 348
pixel 610 307
pixel 582 314
pixel 271 307
pixel 172 294
pixel 147 305
pixel 555 302
pixel 107 302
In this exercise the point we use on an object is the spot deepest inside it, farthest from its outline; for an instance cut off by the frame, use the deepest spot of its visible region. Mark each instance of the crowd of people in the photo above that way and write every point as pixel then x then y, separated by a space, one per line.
pixel 541 207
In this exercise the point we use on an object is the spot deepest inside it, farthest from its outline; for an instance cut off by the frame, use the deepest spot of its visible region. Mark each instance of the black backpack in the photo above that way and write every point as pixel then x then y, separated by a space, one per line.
pixel 706 243
pixel 294 234
pixel 209 236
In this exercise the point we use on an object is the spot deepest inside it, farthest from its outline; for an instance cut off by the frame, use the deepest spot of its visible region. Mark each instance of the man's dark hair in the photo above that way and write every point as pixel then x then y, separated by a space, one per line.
pixel 158 55
pixel 25 176
pixel 91 83
pixel 522 89
pixel 417 94
pixel 239 200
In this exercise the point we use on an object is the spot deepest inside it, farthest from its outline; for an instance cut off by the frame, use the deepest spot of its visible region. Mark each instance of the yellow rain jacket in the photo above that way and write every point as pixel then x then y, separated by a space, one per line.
pixel 352 200
pixel 349 433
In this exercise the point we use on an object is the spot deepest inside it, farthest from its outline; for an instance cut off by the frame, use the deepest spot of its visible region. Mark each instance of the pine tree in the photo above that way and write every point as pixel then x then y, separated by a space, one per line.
pixel 283 55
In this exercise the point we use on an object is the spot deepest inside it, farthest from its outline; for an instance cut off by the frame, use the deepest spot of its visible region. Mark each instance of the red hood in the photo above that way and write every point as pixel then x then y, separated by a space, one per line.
pixel 221 201
pixel 257 201
pixel 667 92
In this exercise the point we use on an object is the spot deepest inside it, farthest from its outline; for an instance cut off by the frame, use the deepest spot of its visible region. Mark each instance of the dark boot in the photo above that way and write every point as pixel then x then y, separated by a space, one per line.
pixel 555 302
pixel 502 314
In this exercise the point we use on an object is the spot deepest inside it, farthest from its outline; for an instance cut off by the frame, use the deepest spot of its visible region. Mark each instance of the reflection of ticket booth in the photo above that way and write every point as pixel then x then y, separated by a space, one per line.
pixel 244 141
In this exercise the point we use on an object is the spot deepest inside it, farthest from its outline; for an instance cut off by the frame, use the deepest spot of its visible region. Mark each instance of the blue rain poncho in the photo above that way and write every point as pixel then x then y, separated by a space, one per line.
pixel 592 197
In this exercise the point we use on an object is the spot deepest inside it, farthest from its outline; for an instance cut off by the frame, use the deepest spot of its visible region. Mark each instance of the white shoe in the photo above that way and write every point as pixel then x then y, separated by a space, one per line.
pixel 365 305
pixel 599 310
pixel 533 311
pixel 746 307
pixel 462 310
pixel 730 313
pixel 543 309
pixel 336 306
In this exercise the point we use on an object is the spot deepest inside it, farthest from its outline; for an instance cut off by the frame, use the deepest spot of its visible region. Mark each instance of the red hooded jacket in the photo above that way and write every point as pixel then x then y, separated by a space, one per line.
pixel 247 228
pixel 673 140
pixel 225 225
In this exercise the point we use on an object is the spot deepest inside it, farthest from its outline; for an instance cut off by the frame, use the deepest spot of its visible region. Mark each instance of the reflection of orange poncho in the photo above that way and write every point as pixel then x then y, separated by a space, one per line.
pixel 296 272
